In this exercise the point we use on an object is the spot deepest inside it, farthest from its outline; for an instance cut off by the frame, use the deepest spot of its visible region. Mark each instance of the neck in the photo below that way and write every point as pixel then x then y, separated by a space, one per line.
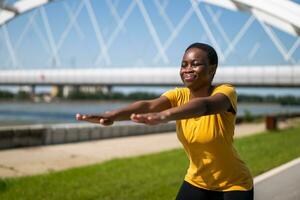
pixel 203 91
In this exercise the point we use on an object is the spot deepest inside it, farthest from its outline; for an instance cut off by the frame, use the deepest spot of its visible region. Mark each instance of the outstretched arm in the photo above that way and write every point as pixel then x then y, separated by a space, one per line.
pixel 217 103
pixel 146 106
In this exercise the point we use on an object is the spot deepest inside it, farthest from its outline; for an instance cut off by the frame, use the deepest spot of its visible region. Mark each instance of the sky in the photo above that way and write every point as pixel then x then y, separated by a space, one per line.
pixel 90 42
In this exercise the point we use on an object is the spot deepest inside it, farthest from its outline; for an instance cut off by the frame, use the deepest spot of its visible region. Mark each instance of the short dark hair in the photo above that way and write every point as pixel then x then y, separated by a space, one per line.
pixel 211 52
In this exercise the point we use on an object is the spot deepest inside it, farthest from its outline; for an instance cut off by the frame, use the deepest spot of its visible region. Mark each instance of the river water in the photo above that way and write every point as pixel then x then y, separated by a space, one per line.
pixel 64 112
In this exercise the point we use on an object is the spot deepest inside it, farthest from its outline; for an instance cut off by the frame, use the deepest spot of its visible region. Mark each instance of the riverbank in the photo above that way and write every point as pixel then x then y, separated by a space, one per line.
pixel 86 94
pixel 103 101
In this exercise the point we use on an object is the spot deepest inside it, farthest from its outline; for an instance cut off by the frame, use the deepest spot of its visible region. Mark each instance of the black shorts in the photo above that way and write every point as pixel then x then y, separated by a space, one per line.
pixel 190 192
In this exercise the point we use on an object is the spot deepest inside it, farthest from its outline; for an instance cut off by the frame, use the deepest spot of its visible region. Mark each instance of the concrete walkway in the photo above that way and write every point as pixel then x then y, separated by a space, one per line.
pixel 281 183
pixel 36 160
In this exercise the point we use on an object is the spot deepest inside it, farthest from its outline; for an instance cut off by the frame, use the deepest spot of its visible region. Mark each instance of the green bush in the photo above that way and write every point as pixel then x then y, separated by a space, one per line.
pixel 248 116
pixel 22 95
pixel 6 95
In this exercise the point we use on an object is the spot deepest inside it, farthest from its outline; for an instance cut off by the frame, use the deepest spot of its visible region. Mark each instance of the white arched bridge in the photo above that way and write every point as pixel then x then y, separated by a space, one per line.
pixel 264 76
pixel 279 14
pixel 283 14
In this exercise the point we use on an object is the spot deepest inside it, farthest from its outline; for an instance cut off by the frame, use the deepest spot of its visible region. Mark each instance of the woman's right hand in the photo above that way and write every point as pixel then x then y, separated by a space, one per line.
pixel 105 119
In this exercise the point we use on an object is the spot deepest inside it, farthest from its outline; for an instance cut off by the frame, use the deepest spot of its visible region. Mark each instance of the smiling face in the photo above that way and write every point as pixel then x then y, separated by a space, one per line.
pixel 196 71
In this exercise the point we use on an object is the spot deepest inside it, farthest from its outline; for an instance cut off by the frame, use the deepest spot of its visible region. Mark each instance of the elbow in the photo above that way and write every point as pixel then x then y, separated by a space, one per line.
pixel 207 109
pixel 204 108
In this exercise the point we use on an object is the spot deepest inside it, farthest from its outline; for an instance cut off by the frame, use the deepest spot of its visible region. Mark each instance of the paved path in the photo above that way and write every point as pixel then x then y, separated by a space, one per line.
pixel 281 183
pixel 36 160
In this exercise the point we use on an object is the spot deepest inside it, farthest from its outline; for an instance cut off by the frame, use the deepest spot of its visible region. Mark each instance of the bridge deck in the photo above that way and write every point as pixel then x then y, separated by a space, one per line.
pixel 252 76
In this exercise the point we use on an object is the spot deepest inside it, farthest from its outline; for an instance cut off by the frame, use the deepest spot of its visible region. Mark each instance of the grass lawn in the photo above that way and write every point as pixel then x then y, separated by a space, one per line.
pixel 150 177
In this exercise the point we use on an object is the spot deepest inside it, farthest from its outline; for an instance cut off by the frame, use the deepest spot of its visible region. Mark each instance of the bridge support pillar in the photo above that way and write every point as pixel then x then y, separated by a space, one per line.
pixel 63 90
pixel 56 91
pixel 94 89
pixel 106 89
pixel 68 89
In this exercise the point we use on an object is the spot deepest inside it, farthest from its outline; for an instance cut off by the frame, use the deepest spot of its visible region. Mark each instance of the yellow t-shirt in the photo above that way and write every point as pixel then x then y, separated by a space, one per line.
pixel 208 142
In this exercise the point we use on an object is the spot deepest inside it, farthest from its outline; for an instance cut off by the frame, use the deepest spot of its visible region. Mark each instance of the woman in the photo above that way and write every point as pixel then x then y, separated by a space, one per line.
pixel 205 117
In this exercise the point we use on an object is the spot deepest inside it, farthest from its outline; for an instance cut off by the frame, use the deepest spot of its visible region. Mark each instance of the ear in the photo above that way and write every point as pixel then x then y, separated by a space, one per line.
pixel 212 70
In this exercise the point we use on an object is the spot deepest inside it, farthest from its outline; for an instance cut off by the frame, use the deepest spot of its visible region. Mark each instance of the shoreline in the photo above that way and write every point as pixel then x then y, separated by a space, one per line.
pixel 65 101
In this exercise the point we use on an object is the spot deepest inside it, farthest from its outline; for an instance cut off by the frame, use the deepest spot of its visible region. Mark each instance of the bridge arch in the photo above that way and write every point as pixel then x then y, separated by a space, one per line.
pixel 282 14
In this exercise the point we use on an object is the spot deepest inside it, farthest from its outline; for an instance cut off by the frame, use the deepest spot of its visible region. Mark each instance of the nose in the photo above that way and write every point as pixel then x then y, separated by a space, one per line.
pixel 188 68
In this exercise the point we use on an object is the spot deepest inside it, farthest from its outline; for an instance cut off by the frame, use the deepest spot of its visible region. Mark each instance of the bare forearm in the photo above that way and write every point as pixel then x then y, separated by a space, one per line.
pixel 194 108
pixel 197 107
pixel 125 113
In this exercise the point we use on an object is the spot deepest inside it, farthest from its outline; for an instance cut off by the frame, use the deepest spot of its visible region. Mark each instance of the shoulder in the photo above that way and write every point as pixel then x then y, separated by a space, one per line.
pixel 224 88
pixel 177 91
pixel 229 91
pixel 177 95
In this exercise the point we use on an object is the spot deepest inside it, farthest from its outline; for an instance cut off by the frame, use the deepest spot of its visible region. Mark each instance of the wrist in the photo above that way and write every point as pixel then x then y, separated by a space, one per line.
pixel 167 115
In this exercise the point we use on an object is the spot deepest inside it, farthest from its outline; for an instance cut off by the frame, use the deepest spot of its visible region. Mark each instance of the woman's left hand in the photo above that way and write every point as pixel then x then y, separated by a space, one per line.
pixel 150 118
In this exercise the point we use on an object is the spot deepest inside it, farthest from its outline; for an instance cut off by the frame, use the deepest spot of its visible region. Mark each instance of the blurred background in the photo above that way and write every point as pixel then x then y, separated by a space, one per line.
pixel 66 56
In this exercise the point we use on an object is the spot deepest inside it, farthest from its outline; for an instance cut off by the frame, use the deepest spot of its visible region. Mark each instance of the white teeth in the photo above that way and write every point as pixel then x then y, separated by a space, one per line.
pixel 189 77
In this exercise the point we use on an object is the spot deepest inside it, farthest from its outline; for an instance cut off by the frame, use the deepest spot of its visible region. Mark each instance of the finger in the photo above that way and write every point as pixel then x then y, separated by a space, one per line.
pixel 84 117
pixel 154 119
pixel 105 121
pixel 162 117
pixel 136 117
pixel 92 120
pixel 137 120
pixel 132 116
pixel 143 118
pixel 78 116
pixel 88 117
pixel 150 122
pixel 102 121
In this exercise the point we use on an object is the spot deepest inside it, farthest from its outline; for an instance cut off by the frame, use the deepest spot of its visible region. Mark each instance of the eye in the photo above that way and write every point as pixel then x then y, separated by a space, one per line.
pixel 196 63
pixel 183 64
